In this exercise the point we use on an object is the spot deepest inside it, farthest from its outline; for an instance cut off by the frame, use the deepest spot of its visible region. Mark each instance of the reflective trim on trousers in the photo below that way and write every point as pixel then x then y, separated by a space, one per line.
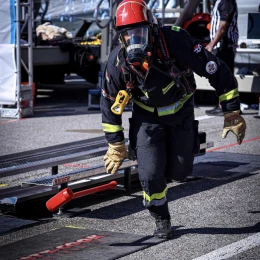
pixel 155 199
pixel 229 95
pixel 154 202
pixel 112 128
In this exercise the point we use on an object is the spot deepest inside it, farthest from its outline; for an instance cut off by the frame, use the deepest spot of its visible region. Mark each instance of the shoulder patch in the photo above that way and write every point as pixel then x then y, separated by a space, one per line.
pixel 211 67
pixel 175 28
pixel 197 48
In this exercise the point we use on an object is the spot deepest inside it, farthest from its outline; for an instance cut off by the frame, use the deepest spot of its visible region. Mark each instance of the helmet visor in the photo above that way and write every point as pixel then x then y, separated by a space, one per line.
pixel 137 37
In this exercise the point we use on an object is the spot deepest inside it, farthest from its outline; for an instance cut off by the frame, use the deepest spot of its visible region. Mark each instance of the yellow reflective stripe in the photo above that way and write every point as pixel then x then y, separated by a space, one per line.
pixel 112 128
pixel 231 94
pixel 140 104
pixel 172 109
pixel 155 196
pixel 155 202
pixel 176 28
pixel 166 89
pixel 168 110
pixel 145 93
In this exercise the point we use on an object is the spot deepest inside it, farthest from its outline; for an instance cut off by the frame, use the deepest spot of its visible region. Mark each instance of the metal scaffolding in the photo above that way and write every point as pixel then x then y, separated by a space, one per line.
pixel 23 106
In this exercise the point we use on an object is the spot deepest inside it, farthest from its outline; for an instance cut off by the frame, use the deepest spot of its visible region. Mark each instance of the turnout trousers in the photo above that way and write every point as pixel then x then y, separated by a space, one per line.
pixel 165 148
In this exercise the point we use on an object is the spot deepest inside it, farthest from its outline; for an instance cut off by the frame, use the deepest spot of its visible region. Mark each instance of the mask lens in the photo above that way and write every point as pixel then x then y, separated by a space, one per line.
pixel 138 35
pixel 137 44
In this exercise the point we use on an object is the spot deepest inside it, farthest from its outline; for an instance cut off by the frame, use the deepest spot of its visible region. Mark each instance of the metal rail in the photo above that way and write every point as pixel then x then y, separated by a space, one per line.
pixel 90 174
pixel 52 156
pixel 41 188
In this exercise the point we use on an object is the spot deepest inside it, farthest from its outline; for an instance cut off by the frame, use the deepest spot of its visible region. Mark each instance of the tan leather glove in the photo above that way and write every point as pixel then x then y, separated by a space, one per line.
pixel 236 124
pixel 114 157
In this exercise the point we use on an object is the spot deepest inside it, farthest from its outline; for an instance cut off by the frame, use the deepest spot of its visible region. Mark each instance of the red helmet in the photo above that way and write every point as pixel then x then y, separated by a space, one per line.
pixel 131 12
pixel 198 27
pixel 196 18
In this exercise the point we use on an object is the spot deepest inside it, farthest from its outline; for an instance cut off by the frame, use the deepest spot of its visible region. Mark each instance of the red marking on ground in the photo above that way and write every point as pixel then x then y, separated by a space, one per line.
pixel 234 144
pixel 64 249
pixel 11 121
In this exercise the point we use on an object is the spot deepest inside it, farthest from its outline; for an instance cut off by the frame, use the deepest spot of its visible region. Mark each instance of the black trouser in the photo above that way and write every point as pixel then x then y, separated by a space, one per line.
pixel 165 148
pixel 227 55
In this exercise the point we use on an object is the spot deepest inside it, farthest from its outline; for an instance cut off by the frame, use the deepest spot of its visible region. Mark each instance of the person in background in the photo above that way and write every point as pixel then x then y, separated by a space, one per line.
pixel 224 38
pixel 154 66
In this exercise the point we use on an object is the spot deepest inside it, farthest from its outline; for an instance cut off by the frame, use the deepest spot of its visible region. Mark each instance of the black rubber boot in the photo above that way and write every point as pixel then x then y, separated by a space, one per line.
pixel 163 228
pixel 216 111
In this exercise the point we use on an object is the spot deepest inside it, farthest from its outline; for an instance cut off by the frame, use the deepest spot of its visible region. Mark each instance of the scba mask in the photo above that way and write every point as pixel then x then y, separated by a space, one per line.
pixel 137 42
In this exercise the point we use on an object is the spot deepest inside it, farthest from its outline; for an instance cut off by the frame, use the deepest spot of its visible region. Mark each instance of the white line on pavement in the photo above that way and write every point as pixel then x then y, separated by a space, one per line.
pixel 232 249
pixel 203 117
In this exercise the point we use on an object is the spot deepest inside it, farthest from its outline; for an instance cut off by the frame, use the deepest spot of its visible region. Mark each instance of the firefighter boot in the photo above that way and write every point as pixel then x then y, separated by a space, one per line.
pixel 163 228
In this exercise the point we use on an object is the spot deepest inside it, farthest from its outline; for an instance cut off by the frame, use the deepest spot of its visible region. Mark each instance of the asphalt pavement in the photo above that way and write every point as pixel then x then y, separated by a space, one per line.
pixel 215 214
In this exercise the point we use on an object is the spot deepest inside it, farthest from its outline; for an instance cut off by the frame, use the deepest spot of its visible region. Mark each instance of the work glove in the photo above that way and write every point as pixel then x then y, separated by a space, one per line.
pixel 114 157
pixel 236 124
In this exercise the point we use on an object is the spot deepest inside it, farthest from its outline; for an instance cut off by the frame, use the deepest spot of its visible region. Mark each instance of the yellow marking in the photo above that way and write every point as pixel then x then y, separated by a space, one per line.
pixel 75 227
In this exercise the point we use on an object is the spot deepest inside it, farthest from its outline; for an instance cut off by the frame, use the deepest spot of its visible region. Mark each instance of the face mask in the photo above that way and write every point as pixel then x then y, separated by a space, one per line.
pixel 137 42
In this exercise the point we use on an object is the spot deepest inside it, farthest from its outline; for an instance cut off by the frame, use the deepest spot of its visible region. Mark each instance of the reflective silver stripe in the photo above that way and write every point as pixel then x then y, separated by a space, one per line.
pixel 154 202
pixel 172 109
pixel 155 199
pixel 162 111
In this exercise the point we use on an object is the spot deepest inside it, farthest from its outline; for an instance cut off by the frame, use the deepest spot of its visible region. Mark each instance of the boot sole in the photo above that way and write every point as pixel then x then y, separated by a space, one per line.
pixel 168 236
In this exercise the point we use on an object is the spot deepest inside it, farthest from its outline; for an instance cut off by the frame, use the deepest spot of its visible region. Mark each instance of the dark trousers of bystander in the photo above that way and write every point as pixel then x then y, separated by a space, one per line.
pixel 227 55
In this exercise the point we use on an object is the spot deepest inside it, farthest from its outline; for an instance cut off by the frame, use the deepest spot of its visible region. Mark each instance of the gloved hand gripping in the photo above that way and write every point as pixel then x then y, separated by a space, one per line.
pixel 236 124
pixel 114 157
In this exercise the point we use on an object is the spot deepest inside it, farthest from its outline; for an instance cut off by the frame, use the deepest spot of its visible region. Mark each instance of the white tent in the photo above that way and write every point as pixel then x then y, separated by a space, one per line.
pixel 12 92
pixel 7 52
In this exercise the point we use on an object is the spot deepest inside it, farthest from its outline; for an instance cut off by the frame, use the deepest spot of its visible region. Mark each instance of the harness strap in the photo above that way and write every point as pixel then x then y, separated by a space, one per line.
pixel 164 49
pixel 173 71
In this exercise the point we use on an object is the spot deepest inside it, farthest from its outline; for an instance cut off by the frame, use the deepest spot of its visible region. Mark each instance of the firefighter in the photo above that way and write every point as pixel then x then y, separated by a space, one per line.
pixel 154 65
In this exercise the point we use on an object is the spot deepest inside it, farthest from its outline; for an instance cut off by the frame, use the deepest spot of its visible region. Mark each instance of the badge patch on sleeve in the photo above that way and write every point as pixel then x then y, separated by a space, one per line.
pixel 197 48
pixel 211 67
